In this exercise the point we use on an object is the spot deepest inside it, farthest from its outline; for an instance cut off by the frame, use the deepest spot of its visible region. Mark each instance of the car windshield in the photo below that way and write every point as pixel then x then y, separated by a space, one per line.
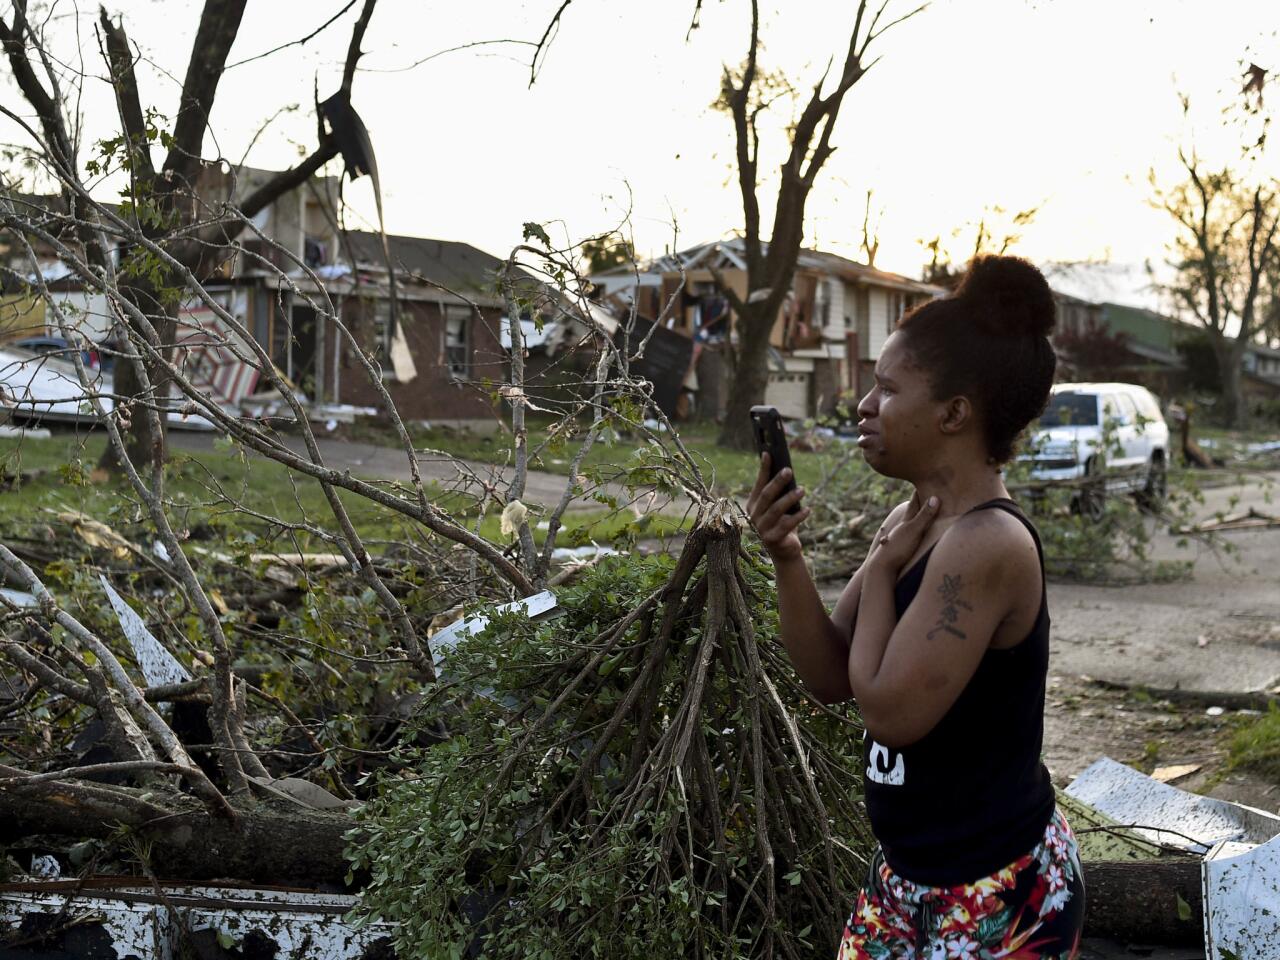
pixel 1070 410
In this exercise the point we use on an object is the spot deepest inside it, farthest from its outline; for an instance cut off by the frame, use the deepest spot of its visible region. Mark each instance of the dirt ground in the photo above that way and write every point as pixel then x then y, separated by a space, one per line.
pixel 1218 632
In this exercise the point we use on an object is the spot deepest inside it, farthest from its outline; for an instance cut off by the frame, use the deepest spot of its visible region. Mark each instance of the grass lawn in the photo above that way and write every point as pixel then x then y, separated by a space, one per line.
pixel 730 472
pixel 1256 745
pixel 56 474
pixel 1230 444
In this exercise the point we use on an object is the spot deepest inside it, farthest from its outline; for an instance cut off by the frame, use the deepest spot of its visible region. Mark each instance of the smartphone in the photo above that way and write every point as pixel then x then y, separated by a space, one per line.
pixel 766 424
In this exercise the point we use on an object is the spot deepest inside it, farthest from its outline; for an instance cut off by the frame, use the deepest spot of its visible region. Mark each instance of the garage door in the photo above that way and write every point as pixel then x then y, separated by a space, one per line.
pixel 789 392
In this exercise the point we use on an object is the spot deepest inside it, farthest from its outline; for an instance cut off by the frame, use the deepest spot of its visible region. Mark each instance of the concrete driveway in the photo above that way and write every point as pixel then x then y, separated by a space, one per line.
pixel 1218 631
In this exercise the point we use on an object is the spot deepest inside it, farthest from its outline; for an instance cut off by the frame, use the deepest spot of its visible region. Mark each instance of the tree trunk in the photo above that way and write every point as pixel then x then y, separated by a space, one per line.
pixel 749 378
pixel 1234 408
pixel 143 447
pixel 290 846
pixel 1137 901
pixel 1133 901
pixel 1230 356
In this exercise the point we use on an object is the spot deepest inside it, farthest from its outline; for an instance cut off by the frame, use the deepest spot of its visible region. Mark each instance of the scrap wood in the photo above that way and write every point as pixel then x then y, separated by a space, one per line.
pixel 1175 772
pixel 281 567
pixel 1251 519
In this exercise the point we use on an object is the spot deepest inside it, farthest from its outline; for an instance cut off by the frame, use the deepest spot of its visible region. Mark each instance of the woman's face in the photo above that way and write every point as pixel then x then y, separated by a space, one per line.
pixel 899 418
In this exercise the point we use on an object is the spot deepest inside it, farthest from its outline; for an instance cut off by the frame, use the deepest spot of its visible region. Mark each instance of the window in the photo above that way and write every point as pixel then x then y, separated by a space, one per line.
pixel 1128 413
pixel 457 348
pixel 382 331
pixel 1070 409
pixel 895 311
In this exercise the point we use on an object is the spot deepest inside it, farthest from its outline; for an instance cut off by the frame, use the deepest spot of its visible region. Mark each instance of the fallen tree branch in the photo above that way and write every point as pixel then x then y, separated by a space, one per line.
pixel 1229 700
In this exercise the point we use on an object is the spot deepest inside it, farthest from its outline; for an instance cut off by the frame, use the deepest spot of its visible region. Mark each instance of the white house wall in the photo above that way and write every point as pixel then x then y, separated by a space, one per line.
pixel 789 392
pixel 881 325
pixel 835 328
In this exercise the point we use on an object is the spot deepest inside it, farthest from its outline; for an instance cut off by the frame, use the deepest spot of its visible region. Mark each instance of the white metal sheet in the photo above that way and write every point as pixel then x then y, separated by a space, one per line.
pixel 1242 901
pixel 159 667
pixel 1164 814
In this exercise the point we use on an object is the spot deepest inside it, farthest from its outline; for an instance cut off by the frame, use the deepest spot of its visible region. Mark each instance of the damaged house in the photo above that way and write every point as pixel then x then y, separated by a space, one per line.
pixel 824 343
pixel 441 361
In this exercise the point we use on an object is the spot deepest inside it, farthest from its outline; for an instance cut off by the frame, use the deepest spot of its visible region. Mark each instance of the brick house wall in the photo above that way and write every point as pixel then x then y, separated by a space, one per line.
pixel 436 393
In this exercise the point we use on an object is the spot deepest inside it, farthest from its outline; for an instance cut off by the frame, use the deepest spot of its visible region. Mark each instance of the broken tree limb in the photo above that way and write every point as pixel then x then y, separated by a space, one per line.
pixel 1250 519
pixel 130 694
pixel 673 758
pixel 1230 700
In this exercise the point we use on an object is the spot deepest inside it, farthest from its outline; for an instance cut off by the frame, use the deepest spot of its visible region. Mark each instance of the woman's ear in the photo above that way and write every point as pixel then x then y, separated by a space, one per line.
pixel 956 415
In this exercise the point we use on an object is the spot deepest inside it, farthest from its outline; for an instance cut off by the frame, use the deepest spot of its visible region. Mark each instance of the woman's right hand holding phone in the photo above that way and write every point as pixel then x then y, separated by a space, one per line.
pixel 767 507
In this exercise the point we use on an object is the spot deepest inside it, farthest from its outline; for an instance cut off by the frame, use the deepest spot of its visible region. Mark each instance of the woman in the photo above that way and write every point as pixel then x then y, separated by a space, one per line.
pixel 942 635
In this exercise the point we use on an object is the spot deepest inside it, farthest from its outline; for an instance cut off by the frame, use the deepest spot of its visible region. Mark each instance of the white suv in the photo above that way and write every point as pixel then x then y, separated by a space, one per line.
pixel 1067 443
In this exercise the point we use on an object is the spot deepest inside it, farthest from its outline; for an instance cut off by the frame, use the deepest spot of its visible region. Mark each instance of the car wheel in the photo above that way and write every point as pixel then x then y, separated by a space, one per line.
pixel 1152 495
pixel 1091 501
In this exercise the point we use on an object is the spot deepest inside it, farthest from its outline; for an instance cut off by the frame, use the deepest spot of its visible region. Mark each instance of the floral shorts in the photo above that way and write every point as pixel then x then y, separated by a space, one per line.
pixel 1033 909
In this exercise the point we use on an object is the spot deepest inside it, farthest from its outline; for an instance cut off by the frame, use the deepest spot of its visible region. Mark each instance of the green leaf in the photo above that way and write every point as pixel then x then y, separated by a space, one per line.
pixel 225 940
pixel 535 231
pixel 1184 908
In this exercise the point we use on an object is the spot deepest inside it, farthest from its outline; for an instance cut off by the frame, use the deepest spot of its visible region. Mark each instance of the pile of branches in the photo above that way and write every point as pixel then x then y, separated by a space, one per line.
pixel 643 776
pixel 94 740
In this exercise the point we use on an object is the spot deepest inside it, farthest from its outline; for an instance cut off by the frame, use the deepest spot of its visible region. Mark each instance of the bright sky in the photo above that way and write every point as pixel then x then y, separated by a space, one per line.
pixel 1064 104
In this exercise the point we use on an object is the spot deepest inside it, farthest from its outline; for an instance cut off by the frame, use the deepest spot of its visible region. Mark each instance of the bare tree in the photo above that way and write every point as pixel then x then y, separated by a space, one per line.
pixel 995 231
pixel 771 264
pixel 1225 256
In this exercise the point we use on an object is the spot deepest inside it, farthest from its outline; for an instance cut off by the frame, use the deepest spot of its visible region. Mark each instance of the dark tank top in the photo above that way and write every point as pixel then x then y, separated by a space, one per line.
pixel 972 795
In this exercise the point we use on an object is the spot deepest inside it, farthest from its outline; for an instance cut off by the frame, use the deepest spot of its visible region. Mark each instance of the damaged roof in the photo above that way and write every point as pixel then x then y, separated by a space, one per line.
pixel 729 254
pixel 450 264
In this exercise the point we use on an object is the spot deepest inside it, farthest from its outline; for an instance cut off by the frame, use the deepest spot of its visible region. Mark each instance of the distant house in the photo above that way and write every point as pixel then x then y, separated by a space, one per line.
pixel 440 362
pixel 22 311
pixel 827 335
pixel 1263 362
pixel 1118 342
pixel 1261 381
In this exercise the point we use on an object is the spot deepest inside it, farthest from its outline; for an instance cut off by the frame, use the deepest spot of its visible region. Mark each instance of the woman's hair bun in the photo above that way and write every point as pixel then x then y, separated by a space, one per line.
pixel 1009 297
